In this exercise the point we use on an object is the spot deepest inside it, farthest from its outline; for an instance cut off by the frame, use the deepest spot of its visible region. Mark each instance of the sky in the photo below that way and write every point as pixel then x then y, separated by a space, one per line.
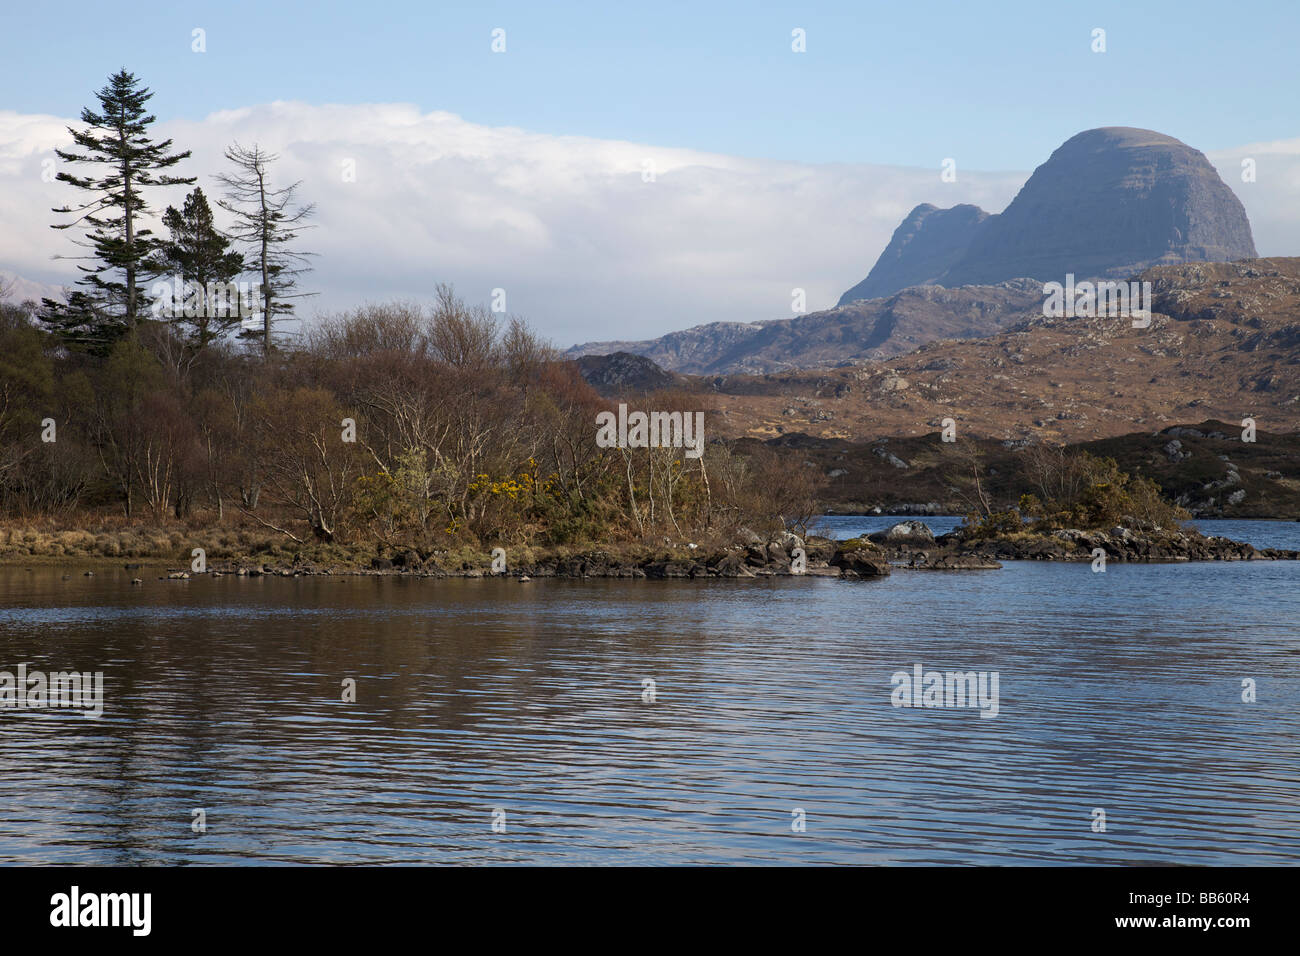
pixel 622 170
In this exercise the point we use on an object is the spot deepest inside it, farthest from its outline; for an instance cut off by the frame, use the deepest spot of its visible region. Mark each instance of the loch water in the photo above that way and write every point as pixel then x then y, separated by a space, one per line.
pixel 768 734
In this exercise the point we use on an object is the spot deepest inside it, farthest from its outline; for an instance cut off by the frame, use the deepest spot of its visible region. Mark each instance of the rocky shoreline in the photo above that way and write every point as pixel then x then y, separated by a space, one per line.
pixel 906 546
pixel 1120 544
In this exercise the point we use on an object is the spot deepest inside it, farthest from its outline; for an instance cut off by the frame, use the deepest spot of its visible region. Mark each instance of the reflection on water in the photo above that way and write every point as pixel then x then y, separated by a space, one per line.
pixel 1119 690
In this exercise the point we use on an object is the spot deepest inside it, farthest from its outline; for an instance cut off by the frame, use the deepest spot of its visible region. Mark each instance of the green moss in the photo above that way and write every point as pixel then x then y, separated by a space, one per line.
pixel 860 544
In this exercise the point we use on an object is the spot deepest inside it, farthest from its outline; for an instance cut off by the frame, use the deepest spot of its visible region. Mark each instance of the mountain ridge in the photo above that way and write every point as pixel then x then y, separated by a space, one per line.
pixel 862 331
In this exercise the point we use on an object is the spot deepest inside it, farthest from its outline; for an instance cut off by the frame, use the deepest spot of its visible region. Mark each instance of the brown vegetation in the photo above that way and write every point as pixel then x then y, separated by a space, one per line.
pixel 389 428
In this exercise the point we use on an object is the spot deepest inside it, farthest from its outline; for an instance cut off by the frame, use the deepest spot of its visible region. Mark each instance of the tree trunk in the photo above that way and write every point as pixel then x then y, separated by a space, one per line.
pixel 266 268
pixel 128 218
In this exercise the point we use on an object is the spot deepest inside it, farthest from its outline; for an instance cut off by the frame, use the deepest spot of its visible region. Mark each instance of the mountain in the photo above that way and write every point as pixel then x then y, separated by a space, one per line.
pixel 859 332
pixel 1107 203
pixel 1223 343
pixel 19 289
pixel 928 243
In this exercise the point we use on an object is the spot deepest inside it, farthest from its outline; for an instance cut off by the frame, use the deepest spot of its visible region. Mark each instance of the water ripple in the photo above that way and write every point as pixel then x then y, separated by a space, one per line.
pixel 1119 692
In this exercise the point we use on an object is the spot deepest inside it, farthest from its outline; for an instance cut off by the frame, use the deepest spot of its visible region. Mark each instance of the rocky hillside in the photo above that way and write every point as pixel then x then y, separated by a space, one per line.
pixel 1107 203
pixel 1203 466
pixel 1224 343
pixel 859 332
pixel 1166 401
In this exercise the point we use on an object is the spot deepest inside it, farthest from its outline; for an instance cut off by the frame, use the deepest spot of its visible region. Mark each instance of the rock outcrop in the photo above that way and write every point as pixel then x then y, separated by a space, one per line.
pixel 912 533
pixel 624 373
pixel 859 558
pixel 1121 544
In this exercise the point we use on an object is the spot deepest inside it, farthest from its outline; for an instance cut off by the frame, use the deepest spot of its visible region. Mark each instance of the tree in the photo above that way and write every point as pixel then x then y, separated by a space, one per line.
pixel 26 385
pixel 219 443
pixel 267 222
pixel 970 479
pixel 117 141
pixel 199 255
pixel 309 469
pixel 120 431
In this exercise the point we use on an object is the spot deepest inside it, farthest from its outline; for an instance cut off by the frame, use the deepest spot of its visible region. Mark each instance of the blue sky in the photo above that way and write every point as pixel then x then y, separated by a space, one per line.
pixel 780 176
pixel 995 85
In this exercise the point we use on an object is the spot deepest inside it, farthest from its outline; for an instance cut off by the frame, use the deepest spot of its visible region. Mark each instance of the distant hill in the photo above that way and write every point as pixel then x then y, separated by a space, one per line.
pixel 860 332
pixel 624 374
pixel 21 290
pixel 1203 466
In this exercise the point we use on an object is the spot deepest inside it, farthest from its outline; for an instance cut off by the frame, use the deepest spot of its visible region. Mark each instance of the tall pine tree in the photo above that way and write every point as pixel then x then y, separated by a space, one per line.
pixel 198 254
pixel 123 161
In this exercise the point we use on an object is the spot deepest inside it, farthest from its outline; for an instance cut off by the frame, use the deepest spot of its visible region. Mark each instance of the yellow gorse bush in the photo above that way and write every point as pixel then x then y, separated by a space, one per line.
pixel 512 487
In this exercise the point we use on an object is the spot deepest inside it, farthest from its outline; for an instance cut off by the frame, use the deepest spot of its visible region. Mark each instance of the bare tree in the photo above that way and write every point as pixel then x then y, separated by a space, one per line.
pixel 307 467
pixel 969 478
pixel 1057 474
pixel 268 221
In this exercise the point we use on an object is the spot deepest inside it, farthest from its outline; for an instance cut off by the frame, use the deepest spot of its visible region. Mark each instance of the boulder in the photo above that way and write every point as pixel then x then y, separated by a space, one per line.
pixel 673 569
pixel 818 549
pixel 961 562
pixel 789 541
pixel 912 533
pixel 860 558
pixel 731 565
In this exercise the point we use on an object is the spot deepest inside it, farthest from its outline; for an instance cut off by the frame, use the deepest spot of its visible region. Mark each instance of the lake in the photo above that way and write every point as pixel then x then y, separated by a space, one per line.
pixel 506 722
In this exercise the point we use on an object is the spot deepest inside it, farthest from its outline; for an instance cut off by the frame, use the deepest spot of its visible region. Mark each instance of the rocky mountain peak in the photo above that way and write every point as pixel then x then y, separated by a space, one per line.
pixel 928 243
pixel 1108 203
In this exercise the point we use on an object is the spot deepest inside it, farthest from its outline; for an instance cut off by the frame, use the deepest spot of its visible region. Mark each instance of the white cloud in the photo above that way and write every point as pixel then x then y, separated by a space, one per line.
pixel 584 248
pixel 1272 201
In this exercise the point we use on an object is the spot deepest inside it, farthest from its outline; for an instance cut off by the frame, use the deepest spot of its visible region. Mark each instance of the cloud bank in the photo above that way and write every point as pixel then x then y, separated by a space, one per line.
pixel 590 239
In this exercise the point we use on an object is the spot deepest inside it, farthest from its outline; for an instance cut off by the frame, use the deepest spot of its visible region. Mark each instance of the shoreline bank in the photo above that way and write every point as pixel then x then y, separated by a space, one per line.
pixel 908 545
